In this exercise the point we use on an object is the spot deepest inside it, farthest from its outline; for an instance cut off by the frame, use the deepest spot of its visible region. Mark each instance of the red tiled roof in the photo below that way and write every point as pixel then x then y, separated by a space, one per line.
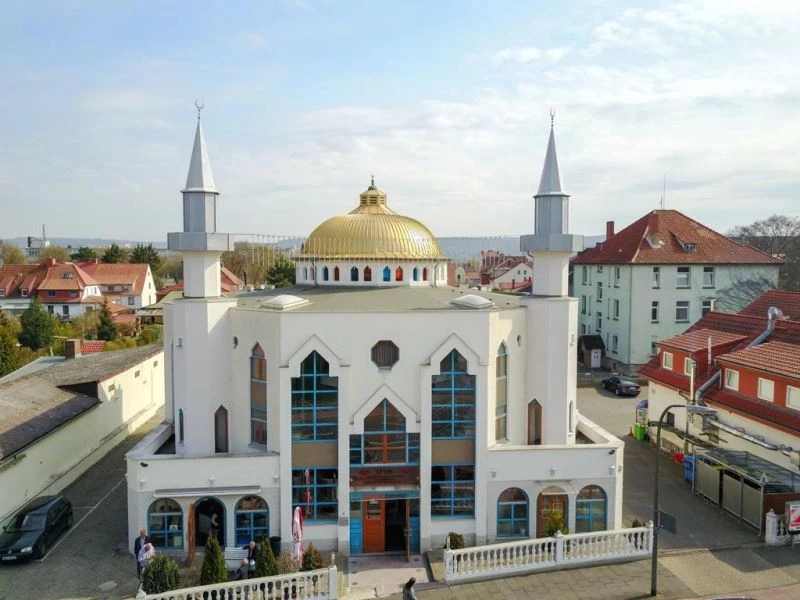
pixel 132 274
pixel 228 281
pixel 698 340
pixel 778 358
pixel 780 416
pixel 66 276
pixel 661 237
pixel 13 278
pixel 92 346
pixel 787 302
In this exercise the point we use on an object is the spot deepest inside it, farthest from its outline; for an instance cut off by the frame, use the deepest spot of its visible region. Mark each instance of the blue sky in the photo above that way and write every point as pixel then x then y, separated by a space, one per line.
pixel 446 102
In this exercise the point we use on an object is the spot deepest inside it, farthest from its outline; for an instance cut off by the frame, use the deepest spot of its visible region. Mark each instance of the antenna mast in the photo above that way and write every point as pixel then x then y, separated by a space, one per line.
pixel 664 193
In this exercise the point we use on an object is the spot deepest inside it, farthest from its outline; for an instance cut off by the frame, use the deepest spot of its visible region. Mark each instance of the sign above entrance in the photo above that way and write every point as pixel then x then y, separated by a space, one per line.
pixel 383 475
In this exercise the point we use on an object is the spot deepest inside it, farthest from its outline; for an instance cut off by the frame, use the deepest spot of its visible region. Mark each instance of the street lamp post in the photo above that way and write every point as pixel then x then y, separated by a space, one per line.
pixel 690 409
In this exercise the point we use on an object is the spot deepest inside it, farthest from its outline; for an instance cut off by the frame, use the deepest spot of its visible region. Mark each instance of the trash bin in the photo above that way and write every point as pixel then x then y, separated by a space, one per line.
pixel 688 467
pixel 275 544
pixel 639 431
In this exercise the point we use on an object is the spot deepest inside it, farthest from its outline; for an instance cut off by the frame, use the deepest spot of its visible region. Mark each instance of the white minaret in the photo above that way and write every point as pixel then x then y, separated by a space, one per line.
pixel 197 333
pixel 552 314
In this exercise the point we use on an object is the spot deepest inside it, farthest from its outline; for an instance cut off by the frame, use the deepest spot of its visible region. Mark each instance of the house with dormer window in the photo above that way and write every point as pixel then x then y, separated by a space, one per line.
pixel 747 367
pixel 654 278
pixel 129 285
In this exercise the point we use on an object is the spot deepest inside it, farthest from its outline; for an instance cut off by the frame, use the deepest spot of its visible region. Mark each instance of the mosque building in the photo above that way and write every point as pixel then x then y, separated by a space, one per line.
pixel 391 408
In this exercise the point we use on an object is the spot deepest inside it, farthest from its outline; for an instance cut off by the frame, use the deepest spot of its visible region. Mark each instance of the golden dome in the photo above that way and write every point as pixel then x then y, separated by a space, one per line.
pixel 372 230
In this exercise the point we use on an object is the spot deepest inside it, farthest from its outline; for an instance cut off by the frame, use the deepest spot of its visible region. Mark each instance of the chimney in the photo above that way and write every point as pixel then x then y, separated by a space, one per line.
pixel 72 348
pixel 609 229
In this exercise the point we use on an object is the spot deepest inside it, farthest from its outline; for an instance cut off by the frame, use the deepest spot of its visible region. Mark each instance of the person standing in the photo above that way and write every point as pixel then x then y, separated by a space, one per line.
pixel 249 563
pixel 145 555
pixel 137 546
pixel 408 590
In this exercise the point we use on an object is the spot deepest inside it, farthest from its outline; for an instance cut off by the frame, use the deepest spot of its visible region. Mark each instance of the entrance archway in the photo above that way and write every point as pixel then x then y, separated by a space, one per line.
pixel 209 520
pixel 551 510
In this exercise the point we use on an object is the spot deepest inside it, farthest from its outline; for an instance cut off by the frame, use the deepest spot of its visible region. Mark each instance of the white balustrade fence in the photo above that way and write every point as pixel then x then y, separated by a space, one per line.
pixel 320 584
pixel 561 551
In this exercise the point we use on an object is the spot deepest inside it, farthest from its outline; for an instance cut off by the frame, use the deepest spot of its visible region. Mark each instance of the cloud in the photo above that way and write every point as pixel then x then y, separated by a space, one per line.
pixel 247 40
pixel 529 54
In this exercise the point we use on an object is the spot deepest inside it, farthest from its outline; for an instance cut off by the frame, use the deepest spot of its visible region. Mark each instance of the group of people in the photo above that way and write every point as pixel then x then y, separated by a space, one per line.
pixel 144 551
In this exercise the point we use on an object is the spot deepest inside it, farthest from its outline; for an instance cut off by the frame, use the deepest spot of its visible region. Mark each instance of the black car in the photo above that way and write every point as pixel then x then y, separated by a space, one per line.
pixel 34 528
pixel 620 387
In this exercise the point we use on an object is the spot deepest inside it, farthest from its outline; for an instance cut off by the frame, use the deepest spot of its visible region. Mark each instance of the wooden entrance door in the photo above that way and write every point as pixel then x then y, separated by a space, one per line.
pixel 551 504
pixel 374 515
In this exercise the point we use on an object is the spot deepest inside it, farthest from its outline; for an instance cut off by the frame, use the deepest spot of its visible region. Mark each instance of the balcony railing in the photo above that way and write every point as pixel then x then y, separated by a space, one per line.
pixel 561 551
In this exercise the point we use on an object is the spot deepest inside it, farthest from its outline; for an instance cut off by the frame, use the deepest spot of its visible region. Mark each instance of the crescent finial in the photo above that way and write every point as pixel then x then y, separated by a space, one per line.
pixel 552 116
pixel 199 106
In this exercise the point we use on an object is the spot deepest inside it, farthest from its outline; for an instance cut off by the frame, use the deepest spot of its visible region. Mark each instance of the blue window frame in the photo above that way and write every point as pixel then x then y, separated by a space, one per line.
pixel 315 399
pixel 590 509
pixel 415 274
pixel 258 396
pixel 512 513
pixel 165 524
pixel 354 274
pixel 385 440
pixel 252 520
pixel 387 274
pixel 452 491
pixel 314 490
pixel 453 399
pixel 325 273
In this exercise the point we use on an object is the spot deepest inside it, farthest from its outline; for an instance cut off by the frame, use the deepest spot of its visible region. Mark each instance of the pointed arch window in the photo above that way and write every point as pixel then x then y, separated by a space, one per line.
pixel 354 274
pixel 501 394
pixel 336 273
pixel 258 396
pixel 367 274
pixel 387 274
pixel 425 274
pixel 385 440
pixel 512 514
pixel 315 401
pixel 180 425
pixel 325 274
pixel 221 430
pixel 453 399
pixel 415 274
pixel 398 274
pixel 305 273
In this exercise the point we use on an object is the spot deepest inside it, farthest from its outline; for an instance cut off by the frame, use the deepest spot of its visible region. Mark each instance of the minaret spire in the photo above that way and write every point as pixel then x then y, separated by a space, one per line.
pixel 550 182
pixel 199 242
pixel 551 244
pixel 200 178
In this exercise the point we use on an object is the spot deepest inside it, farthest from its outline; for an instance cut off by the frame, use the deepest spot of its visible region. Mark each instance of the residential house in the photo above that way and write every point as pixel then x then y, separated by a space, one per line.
pixel 747 367
pixel 67 291
pixel 127 284
pixel 511 275
pixel 654 278
pixel 18 284
pixel 61 415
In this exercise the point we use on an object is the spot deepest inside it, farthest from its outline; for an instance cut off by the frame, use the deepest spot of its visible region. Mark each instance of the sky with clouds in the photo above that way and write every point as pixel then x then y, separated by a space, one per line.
pixel 446 102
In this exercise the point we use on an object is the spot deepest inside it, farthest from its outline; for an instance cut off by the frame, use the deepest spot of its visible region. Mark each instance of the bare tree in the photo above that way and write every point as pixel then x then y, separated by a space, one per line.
pixel 778 236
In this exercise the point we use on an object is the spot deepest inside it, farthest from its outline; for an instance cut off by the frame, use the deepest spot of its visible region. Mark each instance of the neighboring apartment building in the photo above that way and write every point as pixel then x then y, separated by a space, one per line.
pixel 127 284
pixel 657 276
pixel 747 367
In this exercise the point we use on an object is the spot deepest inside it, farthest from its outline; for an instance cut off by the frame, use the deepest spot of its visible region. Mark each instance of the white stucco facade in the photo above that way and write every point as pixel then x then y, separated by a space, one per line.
pixel 379 410
pixel 52 462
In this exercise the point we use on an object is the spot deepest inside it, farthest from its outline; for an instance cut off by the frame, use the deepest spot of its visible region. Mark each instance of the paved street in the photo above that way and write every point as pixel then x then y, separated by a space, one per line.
pixel 711 553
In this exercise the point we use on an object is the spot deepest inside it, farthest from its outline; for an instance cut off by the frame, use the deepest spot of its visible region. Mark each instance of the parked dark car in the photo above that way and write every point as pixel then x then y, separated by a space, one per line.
pixel 620 387
pixel 34 528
